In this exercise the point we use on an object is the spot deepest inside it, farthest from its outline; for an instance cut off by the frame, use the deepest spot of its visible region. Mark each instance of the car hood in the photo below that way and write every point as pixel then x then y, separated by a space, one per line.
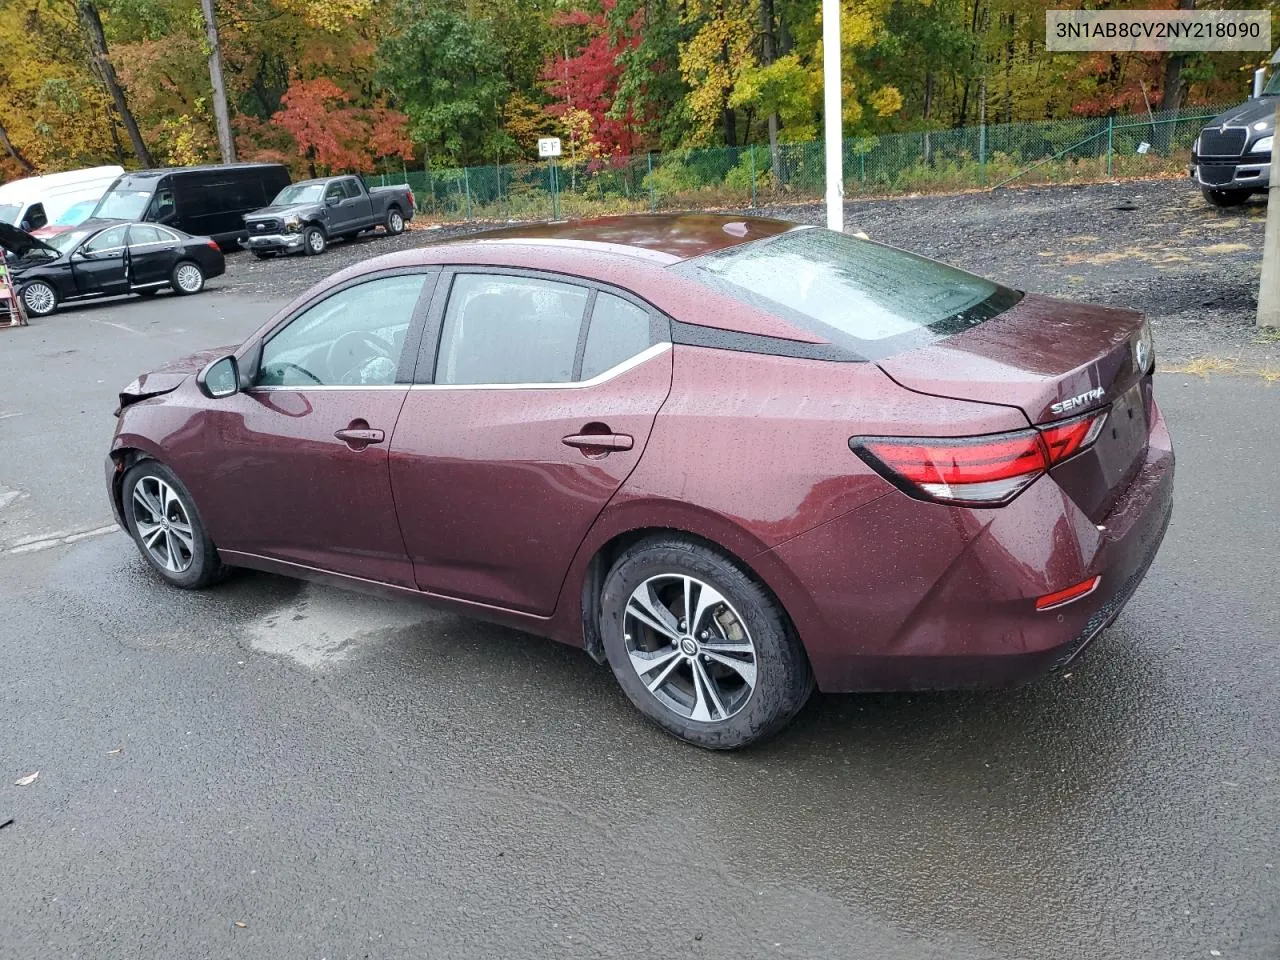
pixel 1246 114
pixel 169 377
pixel 20 243
pixel 278 210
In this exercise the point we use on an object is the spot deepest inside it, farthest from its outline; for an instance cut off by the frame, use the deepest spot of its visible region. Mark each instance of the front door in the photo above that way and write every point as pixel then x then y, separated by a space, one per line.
pixel 297 463
pixel 540 403
pixel 99 265
pixel 151 255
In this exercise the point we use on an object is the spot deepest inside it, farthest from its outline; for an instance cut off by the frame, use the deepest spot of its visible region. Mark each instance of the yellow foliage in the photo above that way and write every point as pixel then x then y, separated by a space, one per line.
pixel 714 58
pixel 330 15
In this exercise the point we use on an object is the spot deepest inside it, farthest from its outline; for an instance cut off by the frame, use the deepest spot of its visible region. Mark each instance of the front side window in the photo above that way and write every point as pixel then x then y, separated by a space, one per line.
pixel 161 205
pixel 334 191
pixel 853 292
pixel 107 240
pixel 505 329
pixel 352 338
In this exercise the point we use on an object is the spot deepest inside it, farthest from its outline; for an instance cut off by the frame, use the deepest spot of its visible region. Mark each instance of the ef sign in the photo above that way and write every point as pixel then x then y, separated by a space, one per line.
pixel 548 146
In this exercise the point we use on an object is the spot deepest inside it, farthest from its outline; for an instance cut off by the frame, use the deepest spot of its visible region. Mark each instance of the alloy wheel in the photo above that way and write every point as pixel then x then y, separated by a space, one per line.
pixel 397 221
pixel 40 299
pixel 189 278
pixel 690 648
pixel 315 240
pixel 163 524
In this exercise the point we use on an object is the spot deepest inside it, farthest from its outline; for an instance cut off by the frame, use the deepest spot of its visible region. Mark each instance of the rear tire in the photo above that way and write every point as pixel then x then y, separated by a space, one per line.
pixel 187 278
pixel 395 221
pixel 162 518
pixel 314 241
pixel 734 676
pixel 1226 198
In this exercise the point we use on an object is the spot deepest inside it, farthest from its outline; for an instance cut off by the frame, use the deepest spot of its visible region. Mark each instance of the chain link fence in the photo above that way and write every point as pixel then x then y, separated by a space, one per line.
pixel 746 177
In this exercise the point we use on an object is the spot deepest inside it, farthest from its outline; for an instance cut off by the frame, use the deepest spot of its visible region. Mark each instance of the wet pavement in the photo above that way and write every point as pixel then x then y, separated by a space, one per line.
pixel 271 769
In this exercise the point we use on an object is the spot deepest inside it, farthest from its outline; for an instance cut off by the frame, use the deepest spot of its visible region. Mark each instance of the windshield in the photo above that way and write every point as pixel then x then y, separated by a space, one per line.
pixel 1272 88
pixel 851 291
pixel 75 214
pixel 299 193
pixel 125 201
pixel 63 242
pixel 9 212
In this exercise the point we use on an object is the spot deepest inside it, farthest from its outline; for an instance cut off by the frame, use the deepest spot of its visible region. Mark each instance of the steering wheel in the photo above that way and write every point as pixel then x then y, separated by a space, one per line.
pixel 285 364
pixel 344 351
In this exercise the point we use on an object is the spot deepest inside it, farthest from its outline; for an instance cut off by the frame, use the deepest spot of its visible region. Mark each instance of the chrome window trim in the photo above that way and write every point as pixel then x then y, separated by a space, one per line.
pixel 616 370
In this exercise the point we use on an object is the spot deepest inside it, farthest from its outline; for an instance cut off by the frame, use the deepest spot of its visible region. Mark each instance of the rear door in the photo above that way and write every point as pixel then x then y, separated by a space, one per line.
pixel 533 402
pixel 357 203
pixel 152 252
pixel 99 265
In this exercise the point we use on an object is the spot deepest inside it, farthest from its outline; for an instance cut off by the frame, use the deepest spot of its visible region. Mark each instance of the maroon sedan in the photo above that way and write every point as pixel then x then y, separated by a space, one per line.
pixel 731 457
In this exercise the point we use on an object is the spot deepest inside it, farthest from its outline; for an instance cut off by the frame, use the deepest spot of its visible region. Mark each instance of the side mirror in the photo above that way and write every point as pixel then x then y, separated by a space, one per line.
pixel 331 201
pixel 219 379
pixel 1259 79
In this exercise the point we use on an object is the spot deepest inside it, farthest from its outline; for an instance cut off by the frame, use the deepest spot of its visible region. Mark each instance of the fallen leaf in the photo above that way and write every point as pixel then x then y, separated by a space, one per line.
pixel 112 753
pixel 241 924
pixel 27 781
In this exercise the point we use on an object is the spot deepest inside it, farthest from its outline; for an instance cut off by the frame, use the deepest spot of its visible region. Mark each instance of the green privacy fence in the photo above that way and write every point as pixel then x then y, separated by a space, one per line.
pixel 751 176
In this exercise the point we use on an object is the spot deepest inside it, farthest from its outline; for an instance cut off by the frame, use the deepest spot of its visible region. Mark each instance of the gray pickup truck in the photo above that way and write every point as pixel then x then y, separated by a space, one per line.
pixel 306 215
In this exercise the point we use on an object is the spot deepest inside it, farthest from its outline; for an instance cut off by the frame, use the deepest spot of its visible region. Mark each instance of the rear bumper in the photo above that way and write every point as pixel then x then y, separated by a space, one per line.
pixel 958 610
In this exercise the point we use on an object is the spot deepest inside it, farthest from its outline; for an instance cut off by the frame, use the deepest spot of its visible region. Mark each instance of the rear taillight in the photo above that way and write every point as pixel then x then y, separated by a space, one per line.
pixel 214 245
pixel 983 471
pixel 413 204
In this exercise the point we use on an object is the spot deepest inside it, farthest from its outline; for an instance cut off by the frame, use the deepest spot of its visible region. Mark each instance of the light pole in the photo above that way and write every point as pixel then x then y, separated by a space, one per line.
pixel 832 119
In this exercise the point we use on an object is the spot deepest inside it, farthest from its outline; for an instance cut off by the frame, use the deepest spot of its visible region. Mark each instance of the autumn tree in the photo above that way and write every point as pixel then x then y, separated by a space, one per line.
pixel 334 135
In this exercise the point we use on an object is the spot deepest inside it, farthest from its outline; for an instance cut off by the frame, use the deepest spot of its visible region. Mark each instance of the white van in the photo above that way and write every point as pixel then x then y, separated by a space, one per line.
pixel 36 201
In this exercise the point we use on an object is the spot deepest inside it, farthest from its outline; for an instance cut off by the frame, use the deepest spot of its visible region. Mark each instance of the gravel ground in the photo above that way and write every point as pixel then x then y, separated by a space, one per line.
pixel 1152 245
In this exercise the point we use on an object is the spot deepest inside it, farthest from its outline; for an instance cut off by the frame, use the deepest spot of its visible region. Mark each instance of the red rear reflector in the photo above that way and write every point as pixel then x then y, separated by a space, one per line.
pixel 1082 589
pixel 978 471
pixel 214 244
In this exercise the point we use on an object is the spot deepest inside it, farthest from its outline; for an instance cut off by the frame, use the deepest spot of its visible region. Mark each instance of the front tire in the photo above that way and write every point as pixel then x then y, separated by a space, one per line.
pixel 314 241
pixel 395 221
pixel 187 278
pixel 162 519
pixel 39 298
pixel 724 674
pixel 1226 198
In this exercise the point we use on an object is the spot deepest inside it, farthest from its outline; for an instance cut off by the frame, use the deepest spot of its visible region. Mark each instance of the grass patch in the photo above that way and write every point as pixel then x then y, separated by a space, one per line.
pixel 1203 366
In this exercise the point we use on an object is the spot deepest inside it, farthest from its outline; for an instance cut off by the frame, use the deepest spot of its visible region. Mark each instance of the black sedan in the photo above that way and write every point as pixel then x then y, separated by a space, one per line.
pixel 104 260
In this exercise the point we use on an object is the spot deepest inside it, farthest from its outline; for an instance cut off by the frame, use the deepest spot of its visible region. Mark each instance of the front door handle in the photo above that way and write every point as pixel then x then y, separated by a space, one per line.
pixel 358 435
pixel 599 441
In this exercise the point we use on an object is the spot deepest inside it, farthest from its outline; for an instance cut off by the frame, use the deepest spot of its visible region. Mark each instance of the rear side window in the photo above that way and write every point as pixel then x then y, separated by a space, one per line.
pixel 140 235
pixel 851 291
pixel 619 330
pixel 505 329
pixel 352 189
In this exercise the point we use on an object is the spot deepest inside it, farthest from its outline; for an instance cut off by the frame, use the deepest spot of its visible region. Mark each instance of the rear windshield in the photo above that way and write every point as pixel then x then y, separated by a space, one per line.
pixel 852 292
pixel 127 200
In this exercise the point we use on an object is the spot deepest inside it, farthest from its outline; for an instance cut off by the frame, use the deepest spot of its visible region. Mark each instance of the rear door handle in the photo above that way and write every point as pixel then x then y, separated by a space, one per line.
pixel 599 441
pixel 356 435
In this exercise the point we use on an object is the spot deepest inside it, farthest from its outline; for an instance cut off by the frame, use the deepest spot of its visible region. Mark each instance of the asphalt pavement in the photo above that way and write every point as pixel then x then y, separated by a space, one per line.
pixel 276 770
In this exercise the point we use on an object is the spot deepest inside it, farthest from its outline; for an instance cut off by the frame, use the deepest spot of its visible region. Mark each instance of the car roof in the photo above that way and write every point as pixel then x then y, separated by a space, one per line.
pixel 202 168
pixel 662 237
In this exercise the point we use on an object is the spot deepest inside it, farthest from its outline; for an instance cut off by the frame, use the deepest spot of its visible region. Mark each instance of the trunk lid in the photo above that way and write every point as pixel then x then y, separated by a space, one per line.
pixel 1053 360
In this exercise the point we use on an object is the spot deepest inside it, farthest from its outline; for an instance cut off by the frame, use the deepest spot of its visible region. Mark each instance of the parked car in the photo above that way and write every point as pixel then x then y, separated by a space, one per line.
pixel 1231 159
pixel 34 202
pixel 306 215
pixel 206 201
pixel 73 216
pixel 730 457
pixel 103 261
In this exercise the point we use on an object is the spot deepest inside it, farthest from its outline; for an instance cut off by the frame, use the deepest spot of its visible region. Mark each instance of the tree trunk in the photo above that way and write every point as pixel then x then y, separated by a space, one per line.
pixel 98 47
pixel 928 111
pixel 1008 70
pixel 226 142
pixel 769 53
pixel 1172 98
pixel 14 152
